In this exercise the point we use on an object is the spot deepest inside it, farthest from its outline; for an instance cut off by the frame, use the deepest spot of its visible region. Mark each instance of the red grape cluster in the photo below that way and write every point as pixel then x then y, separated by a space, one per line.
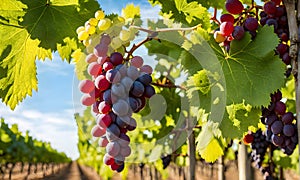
pixel 231 29
pixel 275 15
pixel 118 88
pixel 281 125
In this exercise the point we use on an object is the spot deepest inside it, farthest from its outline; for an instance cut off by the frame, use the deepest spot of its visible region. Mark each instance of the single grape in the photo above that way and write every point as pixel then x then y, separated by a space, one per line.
pixel 90 29
pixel 277 140
pixel 113 148
pixel 149 91
pixel 122 122
pixel 281 49
pixel 101 83
pixel 124 35
pixel 124 140
pixel 137 61
pixel 120 108
pixel 280 108
pixel 272 22
pixel 286 58
pixel 93 21
pixel 91 58
pixel 134 105
pixel 87 100
pixel 147 69
pixel 227 18
pixel 86 86
pixel 104 24
pixel 79 29
pixel 219 37
pixel 83 35
pixel 97 131
pixel 107 66
pixel 105 39
pixel 94 69
pixel 132 125
pixel 96 94
pixel 125 151
pixel 238 32
pixel 146 79
pixel 118 90
pixel 287 118
pixel 277 127
pixel 251 24
pixel 113 76
pixel 120 168
pixel 95 107
pixel 116 58
pixel 108 160
pixel 137 89
pixel 133 72
pixel 116 43
pixel 271 119
pixel 113 116
pixel 127 83
pixel 263 21
pixel 114 167
pixel 122 69
pixel 288 130
pixel 102 142
pixel 112 132
pixel 248 139
pixel 234 6
pixel 269 7
pixel 101 50
pixel 104 107
pixel 104 120
pixel 284 37
pixel 99 15
pixel 226 28
pixel 279 11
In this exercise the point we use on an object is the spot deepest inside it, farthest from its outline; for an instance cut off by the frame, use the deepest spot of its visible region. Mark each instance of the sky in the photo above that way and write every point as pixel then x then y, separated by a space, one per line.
pixel 49 113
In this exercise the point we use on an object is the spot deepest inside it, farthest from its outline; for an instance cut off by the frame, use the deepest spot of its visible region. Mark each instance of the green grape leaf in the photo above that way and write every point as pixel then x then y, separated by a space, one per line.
pixel 212 151
pixel 67 48
pixel 237 119
pixel 252 64
pixel 219 4
pixel 52 23
pixel 187 12
pixel 17 65
pixel 131 11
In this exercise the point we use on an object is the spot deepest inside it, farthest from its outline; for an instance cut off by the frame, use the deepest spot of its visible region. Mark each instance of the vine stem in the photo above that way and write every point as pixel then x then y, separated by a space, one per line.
pixel 214 18
pixel 294 52
pixel 154 33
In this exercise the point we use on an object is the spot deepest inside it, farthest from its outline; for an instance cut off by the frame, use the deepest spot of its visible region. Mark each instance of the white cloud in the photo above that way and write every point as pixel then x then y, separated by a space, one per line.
pixel 58 128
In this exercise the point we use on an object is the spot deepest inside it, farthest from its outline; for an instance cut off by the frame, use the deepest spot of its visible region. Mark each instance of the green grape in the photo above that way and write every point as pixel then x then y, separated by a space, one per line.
pixel 125 35
pixel 85 42
pixel 93 21
pixel 83 35
pixel 104 24
pixel 90 29
pixel 90 49
pixel 99 15
pixel 79 29
pixel 116 43
pixel 94 39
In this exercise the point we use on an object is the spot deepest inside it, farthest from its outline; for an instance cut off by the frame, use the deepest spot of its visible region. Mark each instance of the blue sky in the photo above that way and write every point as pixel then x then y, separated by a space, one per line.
pixel 49 113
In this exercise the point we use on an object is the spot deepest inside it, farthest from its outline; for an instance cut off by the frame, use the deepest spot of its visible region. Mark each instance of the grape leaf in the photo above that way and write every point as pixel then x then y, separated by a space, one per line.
pixel 249 68
pixel 17 65
pixel 131 11
pixel 212 151
pixel 237 119
pixel 52 22
pixel 67 48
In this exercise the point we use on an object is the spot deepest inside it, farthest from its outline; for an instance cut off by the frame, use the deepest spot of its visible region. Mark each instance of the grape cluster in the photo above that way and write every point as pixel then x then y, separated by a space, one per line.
pixel 275 15
pixel 281 127
pixel 118 88
pixel 259 147
pixel 231 29
pixel 90 33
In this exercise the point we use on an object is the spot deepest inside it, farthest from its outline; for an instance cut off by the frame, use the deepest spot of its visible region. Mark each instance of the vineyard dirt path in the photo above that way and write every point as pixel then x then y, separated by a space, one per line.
pixel 74 172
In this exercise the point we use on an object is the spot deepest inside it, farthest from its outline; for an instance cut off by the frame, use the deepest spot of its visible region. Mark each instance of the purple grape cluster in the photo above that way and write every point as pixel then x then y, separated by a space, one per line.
pixel 275 15
pixel 118 88
pixel 281 125
pixel 259 148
